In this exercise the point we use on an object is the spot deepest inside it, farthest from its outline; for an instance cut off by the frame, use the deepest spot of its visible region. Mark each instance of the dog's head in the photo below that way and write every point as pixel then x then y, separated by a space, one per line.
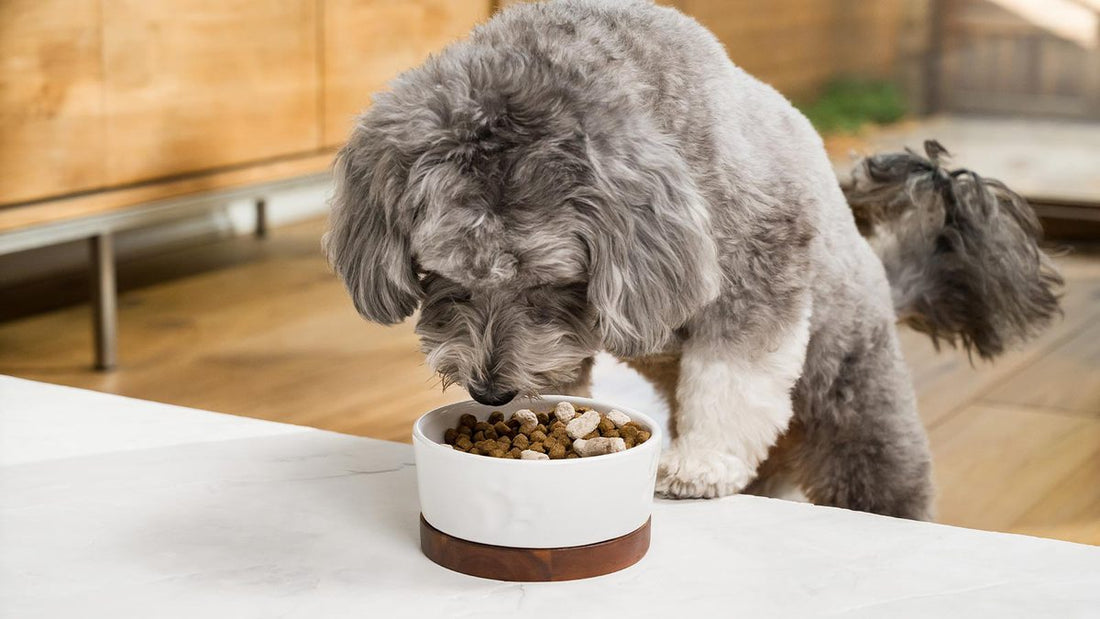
pixel 532 225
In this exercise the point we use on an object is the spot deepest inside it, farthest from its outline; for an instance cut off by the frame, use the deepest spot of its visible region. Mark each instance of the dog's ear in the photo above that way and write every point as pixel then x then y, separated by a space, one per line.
pixel 366 243
pixel 653 263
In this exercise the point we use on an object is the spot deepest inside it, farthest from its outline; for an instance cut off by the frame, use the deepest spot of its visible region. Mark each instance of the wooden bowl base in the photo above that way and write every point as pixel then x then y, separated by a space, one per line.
pixel 533 564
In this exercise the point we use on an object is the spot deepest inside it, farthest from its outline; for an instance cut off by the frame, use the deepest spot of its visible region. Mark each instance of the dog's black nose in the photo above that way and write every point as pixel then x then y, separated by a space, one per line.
pixel 491 397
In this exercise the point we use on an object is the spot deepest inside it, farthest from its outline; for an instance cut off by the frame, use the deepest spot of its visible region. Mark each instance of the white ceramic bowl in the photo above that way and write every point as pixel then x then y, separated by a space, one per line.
pixel 532 503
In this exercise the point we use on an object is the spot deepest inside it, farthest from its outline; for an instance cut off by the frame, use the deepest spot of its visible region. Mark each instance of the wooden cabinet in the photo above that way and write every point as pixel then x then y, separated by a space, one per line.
pixel 199 84
pixel 368 42
pixel 51 104
pixel 99 94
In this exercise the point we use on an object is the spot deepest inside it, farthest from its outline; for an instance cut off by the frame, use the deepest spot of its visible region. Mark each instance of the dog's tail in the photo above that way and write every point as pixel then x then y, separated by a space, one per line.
pixel 961 251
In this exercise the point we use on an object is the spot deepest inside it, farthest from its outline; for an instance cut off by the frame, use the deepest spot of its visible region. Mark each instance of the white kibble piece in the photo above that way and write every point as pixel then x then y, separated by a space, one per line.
pixel 598 446
pixel 565 412
pixel 527 419
pixel 618 418
pixel 527 454
pixel 583 424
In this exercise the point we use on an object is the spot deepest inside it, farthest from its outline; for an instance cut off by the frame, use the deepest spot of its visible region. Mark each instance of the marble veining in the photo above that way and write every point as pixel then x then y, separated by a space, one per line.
pixel 263 520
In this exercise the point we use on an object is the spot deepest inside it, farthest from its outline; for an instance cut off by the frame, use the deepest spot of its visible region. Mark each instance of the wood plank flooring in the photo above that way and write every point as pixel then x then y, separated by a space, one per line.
pixel 262 329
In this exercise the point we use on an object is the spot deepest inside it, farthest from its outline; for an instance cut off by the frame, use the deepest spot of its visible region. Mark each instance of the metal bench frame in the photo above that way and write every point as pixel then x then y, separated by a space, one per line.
pixel 99 230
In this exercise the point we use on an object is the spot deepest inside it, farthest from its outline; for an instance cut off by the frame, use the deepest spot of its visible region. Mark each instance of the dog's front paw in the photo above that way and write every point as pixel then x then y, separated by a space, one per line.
pixel 701 474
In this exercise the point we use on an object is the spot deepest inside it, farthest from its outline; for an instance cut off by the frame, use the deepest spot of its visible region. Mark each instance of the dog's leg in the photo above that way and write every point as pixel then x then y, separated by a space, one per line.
pixel 863 445
pixel 733 403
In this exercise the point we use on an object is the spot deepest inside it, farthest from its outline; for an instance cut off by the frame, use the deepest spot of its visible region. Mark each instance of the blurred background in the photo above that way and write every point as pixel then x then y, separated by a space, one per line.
pixel 163 176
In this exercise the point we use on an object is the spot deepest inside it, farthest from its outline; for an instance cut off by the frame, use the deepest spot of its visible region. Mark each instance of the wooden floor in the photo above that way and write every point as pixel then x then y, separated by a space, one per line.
pixel 261 328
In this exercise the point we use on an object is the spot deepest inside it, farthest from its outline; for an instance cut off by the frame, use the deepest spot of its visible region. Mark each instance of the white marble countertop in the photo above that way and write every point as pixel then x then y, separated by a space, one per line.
pixel 112 507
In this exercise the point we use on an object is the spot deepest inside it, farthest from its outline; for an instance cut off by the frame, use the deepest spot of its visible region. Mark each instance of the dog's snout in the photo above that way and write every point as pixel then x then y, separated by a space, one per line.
pixel 491 397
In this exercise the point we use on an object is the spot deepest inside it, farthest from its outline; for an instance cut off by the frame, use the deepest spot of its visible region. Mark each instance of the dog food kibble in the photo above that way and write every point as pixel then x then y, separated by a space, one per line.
pixel 618 418
pixel 605 426
pixel 566 432
pixel 565 412
pixel 598 446
pixel 527 420
pixel 582 425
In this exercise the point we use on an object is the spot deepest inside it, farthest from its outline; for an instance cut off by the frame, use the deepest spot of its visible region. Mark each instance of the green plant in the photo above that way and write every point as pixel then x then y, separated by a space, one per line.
pixel 846 104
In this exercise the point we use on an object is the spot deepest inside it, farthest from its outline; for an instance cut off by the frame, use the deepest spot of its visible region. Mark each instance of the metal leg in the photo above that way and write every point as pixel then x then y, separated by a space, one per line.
pixel 261 218
pixel 104 300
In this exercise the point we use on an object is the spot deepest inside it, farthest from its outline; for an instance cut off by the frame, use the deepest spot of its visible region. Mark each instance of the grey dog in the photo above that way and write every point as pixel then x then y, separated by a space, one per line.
pixel 579 176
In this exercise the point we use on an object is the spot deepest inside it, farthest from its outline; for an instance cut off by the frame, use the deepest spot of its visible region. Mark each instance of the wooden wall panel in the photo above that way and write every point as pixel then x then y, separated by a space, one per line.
pixel 368 42
pixel 995 60
pixel 786 43
pixel 51 123
pixel 200 84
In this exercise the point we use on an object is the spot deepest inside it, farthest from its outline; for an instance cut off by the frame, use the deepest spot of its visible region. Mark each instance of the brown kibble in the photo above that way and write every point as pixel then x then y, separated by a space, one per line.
pixel 546 434
pixel 527 419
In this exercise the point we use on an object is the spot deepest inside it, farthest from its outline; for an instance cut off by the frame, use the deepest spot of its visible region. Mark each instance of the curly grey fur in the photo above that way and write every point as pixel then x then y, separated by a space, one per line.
pixel 961 251
pixel 581 175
